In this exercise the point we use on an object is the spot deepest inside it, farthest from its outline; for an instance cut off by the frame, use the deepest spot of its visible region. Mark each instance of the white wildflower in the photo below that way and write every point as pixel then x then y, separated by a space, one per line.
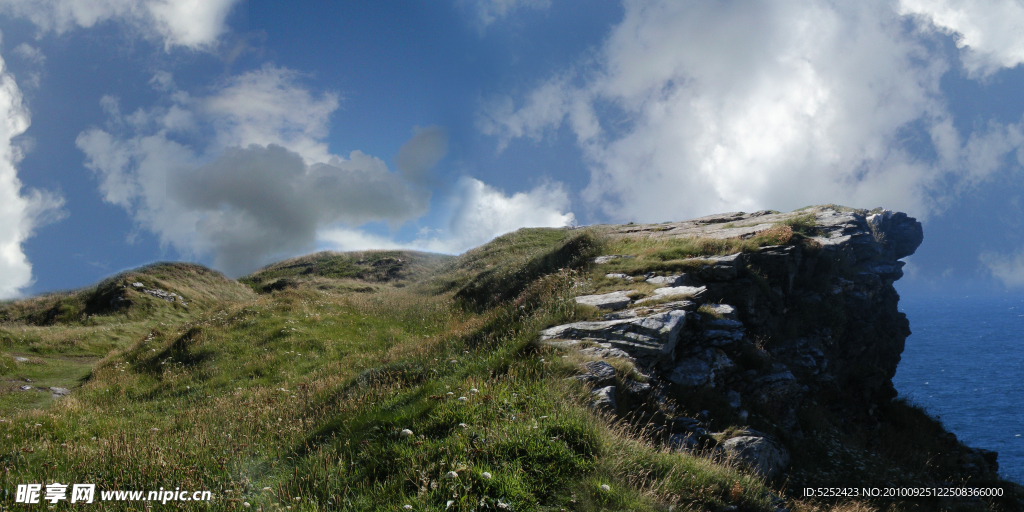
pixel 406 432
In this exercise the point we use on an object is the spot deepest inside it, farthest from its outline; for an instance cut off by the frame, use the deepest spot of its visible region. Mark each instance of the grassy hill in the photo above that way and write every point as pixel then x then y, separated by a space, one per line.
pixel 343 272
pixel 383 380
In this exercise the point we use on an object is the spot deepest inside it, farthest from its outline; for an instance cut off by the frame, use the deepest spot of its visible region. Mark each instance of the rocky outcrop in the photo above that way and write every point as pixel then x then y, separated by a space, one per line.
pixel 758 452
pixel 160 294
pixel 614 300
pixel 812 320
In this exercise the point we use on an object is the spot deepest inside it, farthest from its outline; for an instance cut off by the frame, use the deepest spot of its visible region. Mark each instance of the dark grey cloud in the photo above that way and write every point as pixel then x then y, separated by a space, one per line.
pixel 257 203
pixel 266 186
pixel 422 152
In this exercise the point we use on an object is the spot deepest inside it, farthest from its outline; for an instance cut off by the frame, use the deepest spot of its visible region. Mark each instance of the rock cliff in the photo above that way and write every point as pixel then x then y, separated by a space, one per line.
pixel 761 332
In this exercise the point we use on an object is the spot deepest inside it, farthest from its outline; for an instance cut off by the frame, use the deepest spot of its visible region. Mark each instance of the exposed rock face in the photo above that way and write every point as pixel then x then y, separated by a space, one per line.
pixel 649 338
pixel 604 398
pixel 677 292
pixel 760 453
pixel 614 300
pixel 598 373
pixel 815 321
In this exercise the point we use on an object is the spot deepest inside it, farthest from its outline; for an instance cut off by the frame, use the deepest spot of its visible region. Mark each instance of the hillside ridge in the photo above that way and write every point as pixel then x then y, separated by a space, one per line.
pixel 718 364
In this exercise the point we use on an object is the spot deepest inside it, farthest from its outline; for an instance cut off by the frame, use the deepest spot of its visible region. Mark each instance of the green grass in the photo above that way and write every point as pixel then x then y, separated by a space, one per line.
pixel 304 392
pixel 676 255
pixel 296 397
pixel 363 271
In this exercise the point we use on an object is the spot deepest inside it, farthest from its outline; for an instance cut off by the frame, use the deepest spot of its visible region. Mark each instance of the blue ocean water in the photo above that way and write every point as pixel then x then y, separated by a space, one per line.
pixel 964 363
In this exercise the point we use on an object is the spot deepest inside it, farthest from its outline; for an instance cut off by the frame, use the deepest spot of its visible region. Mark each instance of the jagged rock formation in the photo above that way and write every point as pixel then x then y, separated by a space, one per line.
pixel 769 329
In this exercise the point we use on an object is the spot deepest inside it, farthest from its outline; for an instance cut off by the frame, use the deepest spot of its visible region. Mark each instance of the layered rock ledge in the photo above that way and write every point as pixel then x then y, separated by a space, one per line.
pixel 811 321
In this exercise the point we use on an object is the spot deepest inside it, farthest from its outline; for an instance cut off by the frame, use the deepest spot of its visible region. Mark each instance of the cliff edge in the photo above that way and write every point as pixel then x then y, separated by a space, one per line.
pixel 784 325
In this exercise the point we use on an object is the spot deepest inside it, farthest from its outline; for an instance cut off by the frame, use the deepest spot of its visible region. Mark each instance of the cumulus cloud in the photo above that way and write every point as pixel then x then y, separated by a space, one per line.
pixel 265 201
pixel 244 175
pixel 265 184
pixel 483 212
pixel 479 214
pixel 486 12
pixel 186 23
pixel 267 106
pixel 22 211
pixel 988 31
pixel 701 107
pixel 1007 268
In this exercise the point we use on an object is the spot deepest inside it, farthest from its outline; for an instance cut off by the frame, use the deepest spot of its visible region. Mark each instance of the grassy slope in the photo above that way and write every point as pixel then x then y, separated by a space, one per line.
pixel 296 397
pixel 62 336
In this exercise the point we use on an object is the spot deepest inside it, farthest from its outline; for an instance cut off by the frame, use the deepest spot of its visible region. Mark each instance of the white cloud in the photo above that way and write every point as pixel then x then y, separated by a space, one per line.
pixel 194 24
pixel 484 212
pixel 267 107
pixel 543 107
pixel 723 106
pixel 264 184
pixel 988 31
pixel 21 212
pixel 1007 268
pixel 479 214
pixel 487 12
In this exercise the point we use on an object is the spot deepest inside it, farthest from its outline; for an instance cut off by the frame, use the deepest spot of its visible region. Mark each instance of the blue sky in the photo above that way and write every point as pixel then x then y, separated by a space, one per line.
pixel 236 133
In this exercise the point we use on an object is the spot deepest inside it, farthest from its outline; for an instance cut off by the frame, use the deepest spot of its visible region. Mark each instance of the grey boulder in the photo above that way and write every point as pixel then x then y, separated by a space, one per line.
pixel 654 335
pixel 760 453
pixel 604 398
pixel 669 292
pixel 613 300
pixel 598 373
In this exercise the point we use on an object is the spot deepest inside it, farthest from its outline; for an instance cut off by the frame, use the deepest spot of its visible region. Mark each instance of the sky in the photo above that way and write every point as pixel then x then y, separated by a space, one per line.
pixel 237 133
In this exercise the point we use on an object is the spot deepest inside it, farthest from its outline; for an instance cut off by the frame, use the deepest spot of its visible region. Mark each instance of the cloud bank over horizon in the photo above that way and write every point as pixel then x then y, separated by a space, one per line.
pixel 478 214
pixel 267 186
pixel 264 185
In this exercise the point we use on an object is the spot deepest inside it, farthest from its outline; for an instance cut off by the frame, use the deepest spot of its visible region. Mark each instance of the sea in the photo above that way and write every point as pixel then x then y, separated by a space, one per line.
pixel 964 363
